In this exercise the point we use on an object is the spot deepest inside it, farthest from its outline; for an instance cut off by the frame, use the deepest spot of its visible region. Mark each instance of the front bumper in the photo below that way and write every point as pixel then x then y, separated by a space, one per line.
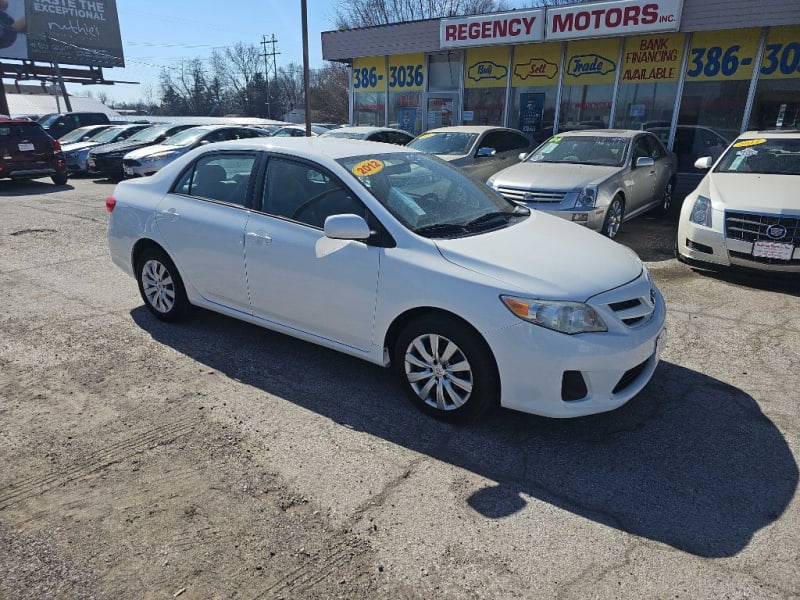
pixel 614 366
pixel 709 246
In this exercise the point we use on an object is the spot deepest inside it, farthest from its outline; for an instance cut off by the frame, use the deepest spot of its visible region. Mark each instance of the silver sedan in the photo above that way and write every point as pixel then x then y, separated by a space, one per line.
pixel 597 178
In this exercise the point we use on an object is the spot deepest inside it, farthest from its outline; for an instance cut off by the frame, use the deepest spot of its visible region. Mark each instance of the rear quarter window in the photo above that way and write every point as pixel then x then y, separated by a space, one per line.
pixel 21 130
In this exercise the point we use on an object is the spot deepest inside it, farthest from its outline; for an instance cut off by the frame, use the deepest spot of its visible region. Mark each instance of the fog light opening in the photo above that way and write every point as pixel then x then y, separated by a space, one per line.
pixel 573 386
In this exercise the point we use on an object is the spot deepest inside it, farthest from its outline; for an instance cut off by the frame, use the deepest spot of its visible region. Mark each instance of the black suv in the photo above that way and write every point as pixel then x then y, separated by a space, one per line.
pixel 58 124
pixel 27 152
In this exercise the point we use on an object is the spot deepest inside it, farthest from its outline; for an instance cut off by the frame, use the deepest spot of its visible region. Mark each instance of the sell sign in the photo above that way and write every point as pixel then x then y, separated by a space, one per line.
pixel 623 17
pixel 517 27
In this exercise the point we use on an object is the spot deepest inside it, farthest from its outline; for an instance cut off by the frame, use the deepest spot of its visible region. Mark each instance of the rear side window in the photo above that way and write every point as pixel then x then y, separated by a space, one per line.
pixel 21 130
pixel 221 177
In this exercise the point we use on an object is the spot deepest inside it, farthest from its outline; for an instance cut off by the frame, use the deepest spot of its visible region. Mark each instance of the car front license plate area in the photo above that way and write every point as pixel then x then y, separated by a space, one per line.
pixel 775 250
pixel 128 170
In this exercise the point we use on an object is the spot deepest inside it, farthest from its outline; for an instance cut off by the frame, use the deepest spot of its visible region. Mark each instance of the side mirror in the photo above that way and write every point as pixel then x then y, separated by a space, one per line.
pixel 644 161
pixel 346 227
pixel 204 142
pixel 703 163
pixel 486 151
pixel 522 155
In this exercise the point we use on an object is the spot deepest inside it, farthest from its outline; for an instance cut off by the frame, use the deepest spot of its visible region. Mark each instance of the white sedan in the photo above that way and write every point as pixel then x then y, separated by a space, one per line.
pixel 745 213
pixel 395 257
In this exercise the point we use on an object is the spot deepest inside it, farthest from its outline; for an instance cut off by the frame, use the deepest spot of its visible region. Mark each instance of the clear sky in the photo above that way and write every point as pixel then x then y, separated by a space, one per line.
pixel 161 33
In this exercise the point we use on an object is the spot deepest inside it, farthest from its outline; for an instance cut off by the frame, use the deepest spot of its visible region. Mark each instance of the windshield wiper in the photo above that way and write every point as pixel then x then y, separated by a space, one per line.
pixel 441 228
pixel 499 216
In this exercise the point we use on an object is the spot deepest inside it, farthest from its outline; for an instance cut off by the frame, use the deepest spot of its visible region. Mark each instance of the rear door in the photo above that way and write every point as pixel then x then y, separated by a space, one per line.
pixel 25 146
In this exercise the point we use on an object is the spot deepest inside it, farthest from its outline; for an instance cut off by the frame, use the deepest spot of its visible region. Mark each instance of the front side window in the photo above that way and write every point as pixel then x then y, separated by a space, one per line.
pixel 301 192
pixel 221 177
pixel 773 156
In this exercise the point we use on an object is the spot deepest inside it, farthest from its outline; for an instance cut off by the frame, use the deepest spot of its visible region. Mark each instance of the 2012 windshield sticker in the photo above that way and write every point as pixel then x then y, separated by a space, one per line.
pixel 368 167
pixel 746 152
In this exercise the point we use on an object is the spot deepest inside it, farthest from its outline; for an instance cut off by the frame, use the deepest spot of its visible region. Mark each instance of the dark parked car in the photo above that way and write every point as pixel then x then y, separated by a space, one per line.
pixel 27 152
pixel 57 124
pixel 77 153
pixel 106 161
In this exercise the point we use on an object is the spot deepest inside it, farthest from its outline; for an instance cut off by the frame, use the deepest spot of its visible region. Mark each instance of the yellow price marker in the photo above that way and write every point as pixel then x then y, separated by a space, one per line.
pixel 746 143
pixel 368 167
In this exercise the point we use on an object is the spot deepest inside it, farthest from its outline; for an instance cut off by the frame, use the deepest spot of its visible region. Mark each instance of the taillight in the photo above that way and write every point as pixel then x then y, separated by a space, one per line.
pixel 111 202
pixel 56 146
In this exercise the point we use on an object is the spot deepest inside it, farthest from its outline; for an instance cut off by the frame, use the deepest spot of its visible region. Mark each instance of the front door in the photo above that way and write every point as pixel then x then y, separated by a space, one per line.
pixel 442 111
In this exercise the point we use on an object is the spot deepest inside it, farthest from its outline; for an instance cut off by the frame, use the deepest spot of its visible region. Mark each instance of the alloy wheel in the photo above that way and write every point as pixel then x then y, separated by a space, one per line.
pixel 438 371
pixel 158 286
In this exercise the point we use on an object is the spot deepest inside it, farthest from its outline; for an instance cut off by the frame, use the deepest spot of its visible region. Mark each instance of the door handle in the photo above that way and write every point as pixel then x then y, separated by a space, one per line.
pixel 260 236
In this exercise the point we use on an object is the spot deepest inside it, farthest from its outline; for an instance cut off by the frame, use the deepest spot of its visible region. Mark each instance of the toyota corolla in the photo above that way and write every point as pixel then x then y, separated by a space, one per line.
pixel 400 259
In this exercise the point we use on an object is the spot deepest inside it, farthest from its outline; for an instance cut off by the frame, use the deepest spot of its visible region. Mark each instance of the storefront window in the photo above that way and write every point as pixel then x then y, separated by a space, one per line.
pixel 444 71
pixel 406 83
pixel 649 81
pixel 590 72
pixel 534 79
pixel 777 100
pixel 369 91
pixel 718 74
pixel 485 86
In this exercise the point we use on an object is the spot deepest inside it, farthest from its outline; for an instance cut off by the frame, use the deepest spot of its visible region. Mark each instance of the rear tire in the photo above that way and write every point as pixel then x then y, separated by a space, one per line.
pixel 446 368
pixel 161 286
pixel 59 178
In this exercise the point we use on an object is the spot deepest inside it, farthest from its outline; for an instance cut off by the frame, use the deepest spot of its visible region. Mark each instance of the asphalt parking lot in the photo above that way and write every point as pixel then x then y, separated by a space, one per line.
pixel 213 459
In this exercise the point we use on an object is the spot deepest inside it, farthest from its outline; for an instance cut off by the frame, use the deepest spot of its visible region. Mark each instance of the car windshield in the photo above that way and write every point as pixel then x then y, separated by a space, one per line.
pixel 76 134
pixel 185 137
pixel 430 197
pixel 444 142
pixel 107 135
pixel 48 120
pixel 149 134
pixel 582 150
pixel 768 156
pixel 349 135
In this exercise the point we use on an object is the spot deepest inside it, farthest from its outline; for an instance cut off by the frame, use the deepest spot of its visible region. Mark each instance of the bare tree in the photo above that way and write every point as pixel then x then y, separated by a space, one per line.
pixel 367 13
pixel 329 88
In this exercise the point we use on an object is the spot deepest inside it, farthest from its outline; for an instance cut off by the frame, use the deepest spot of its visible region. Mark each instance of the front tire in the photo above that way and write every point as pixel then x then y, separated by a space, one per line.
pixel 59 178
pixel 446 368
pixel 614 216
pixel 161 286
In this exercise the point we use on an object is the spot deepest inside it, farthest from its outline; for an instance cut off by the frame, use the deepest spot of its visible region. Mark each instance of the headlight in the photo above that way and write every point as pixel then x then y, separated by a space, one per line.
pixel 701 211
pixel 490 182
pixel 586 198
pixel 566 317
pixel 157 157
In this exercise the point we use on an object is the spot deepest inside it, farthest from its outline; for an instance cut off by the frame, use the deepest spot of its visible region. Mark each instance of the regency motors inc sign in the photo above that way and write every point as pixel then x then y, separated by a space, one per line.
pixel 80 32
pixel 602 19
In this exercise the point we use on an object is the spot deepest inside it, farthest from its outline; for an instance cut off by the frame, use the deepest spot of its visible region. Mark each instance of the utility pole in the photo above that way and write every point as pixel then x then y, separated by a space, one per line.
pixel 306 76
pixel 267 67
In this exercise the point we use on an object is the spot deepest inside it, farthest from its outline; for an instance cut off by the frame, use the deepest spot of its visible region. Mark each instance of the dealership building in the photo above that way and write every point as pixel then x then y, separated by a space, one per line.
pixel 697 72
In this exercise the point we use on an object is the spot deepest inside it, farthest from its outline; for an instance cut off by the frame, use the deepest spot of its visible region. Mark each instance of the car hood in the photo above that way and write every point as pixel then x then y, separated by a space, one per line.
pixel 552 176
pixel 149 150
pixel 77 146
pixel 454 157
pixel 523 257
pixel 753 192
pixel 120 147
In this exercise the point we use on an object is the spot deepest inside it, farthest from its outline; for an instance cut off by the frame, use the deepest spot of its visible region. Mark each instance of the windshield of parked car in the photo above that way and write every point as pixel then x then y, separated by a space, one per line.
pixel 186 137
pixel 48 120
pixel 430 197
pixel 582 150
pixel 768 156
pixel 444 142
pixel 149 134
pixel 349 135
pixel 107 135
pixel 76 134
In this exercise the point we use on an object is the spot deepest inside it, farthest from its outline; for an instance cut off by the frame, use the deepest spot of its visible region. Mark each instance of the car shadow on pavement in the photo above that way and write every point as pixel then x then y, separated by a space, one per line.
pixel 691 462
pixel 30 187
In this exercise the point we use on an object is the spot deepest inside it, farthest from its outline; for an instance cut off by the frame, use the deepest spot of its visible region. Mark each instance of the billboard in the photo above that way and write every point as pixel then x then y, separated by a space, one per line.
pixel 75 32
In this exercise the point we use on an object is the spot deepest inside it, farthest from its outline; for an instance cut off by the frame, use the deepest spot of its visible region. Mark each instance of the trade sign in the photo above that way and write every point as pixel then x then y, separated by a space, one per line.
pixel 516 27
pixel 623 17
pixel 590 62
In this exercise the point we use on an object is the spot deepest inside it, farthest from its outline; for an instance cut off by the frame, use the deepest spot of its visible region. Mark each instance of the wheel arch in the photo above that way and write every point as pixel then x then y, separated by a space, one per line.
pixel 145 244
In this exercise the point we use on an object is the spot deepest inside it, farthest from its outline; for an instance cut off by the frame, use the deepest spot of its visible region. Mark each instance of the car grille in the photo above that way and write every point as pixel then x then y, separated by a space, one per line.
pixel 532 196
pixel 751 227
pixel 634 311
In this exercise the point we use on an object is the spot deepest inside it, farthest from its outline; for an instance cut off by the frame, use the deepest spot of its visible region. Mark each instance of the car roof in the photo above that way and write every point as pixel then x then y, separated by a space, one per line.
pixel 364 129
pixel 316 147
pixel 468 129
pixel 763 132
pixel 601 133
